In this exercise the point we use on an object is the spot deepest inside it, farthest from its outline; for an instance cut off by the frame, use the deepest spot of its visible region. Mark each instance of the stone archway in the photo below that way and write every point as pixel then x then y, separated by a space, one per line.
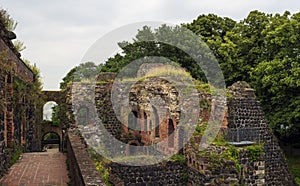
pixel 52 141
pixel 49 128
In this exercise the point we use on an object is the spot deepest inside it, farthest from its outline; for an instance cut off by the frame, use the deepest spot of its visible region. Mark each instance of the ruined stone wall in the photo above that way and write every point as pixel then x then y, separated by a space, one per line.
pixel 154 102
pixel 244 121
pixel 104 104
pixel 218 165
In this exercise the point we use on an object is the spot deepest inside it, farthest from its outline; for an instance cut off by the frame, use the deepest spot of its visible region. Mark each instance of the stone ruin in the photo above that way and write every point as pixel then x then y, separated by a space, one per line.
pixel 243 122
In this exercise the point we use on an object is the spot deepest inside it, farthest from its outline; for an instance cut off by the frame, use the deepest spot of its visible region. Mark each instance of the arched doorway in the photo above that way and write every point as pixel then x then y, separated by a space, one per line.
pixel 51 140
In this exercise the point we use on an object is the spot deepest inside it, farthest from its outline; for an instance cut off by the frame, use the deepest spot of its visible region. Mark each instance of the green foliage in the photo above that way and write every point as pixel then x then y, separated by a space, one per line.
pixel 141 49
pixel 178 157
pixel 185 175
pixel 255 152
pixel 70 182
pixel 8 22
pixel 51 136
pixel 263 50
pixel 200 128
pixel 104 171
pixel 57 115
pixel 231 153
pixel 294 167
pixel 220 141
pixel 101 163
pixel 17 151
pixel 19 45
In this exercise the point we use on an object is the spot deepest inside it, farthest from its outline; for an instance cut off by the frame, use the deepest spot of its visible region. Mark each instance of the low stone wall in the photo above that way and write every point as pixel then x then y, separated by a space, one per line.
pixel 166 174
pixel 81 166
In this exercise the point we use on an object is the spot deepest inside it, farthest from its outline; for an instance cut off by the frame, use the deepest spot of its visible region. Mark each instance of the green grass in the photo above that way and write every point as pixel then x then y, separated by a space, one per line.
pixel 294 166
pixel 15 157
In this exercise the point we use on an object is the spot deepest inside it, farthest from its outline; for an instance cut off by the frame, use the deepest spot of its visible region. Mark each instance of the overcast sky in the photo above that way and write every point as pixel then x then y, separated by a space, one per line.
pixel 57 33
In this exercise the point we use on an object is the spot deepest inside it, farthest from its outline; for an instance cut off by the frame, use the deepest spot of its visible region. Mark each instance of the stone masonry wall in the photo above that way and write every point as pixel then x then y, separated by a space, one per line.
pixel 164 174
pixel 246 122
pixel 216 166
pixel 14 131
pixel 81 166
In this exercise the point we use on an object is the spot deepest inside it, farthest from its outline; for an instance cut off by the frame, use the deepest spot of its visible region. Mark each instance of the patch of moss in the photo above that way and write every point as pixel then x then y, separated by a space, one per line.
pixel 255 152
pixel 178 157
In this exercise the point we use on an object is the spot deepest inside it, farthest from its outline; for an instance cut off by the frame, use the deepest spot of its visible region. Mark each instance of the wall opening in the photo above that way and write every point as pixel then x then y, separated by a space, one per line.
pixel 170 133
pixel 48 110
pixel 156 122
pixel 51 140
pixel 145 122
pixel 132 120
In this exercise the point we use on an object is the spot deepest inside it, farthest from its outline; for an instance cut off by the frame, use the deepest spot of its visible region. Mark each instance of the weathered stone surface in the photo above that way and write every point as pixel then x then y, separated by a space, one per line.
pixel 81 166
pixel 14 131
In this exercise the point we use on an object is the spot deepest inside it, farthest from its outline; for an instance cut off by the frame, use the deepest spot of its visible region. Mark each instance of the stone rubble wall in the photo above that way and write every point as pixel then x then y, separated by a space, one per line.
pixel 246 122
pixel 207 169
pixel 164 174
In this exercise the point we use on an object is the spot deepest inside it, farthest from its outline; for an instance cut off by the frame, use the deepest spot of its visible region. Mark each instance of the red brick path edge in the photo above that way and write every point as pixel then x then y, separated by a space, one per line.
pixel 38 169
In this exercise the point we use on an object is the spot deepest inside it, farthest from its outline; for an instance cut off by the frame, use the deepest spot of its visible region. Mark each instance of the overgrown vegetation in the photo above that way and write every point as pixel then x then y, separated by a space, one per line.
pixel 255 152
pixel 230 153
pixel 104 171
pixel 70 182
pixel 102 165
pixel 17 151
pixel 10 24
pixel 294 166
pixel 178 157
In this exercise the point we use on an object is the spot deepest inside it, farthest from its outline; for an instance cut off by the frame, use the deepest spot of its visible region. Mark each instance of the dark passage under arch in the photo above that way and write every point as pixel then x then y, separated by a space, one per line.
pixel 170 133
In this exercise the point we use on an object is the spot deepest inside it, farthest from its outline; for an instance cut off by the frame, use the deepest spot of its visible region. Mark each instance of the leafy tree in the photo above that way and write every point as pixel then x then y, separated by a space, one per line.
pixel 277 77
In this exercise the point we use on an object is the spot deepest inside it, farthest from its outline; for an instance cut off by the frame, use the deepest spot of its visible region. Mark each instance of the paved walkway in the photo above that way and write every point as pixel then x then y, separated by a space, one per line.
pixel 38 169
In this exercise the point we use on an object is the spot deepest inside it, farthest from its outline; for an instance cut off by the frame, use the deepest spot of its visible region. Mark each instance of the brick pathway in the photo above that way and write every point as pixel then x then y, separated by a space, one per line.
pixel 38 169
